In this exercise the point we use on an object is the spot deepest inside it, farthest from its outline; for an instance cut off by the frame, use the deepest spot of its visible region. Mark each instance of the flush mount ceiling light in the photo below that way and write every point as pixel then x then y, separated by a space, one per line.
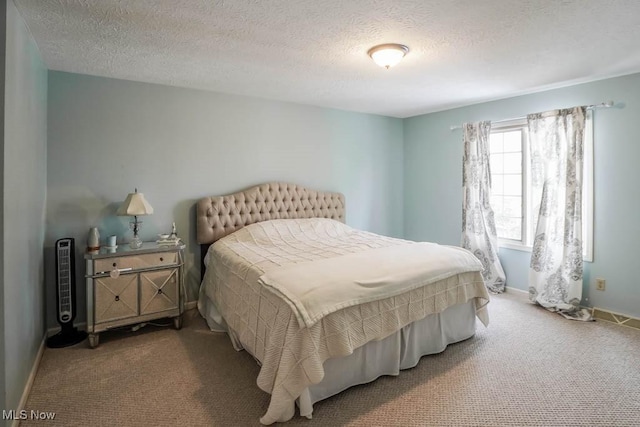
pixel 388 55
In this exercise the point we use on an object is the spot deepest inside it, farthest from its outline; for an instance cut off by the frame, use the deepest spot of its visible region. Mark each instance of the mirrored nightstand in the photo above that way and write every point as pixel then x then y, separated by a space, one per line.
pixel 128 286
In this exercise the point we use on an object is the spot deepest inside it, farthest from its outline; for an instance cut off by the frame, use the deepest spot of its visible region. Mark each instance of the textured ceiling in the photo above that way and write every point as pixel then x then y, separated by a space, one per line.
pixel 314 52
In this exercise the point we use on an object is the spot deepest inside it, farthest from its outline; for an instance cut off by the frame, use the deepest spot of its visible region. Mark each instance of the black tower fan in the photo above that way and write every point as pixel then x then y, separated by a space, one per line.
pixel 66 296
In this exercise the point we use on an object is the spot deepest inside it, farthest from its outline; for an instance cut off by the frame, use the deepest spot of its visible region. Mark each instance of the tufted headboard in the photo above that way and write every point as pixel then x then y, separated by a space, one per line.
pixel 218 216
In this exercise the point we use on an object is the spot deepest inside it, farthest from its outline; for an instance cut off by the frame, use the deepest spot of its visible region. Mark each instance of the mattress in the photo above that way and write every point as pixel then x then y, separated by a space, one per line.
pixel 263 323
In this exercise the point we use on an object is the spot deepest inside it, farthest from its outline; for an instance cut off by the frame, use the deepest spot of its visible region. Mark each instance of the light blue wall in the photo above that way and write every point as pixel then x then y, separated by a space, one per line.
pixel 25 172
pixel 176 145
pixel 433 194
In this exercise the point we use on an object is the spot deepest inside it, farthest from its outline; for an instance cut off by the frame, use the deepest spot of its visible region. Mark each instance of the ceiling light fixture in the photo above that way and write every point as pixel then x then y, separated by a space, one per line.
pixel 388 55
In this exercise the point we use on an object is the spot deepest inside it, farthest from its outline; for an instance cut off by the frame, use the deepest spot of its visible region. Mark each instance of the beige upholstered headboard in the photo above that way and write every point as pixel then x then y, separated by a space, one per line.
pixel 222 215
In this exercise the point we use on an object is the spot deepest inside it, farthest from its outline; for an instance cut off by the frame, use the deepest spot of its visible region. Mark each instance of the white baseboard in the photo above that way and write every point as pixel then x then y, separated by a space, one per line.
pixel 190 305
pixel 613 317
pixel 32 377
pixel 599 313
pixel 516 290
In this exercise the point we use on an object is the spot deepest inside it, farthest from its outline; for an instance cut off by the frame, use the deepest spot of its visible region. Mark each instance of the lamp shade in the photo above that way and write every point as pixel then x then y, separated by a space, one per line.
pixel 134 205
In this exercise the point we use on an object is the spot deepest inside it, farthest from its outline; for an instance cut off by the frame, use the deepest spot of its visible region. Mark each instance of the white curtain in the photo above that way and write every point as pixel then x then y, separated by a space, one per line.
pixel 556 152
pixel 478 222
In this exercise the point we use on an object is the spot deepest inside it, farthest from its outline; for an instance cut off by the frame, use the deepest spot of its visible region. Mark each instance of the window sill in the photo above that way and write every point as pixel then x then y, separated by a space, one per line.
pixel 512 245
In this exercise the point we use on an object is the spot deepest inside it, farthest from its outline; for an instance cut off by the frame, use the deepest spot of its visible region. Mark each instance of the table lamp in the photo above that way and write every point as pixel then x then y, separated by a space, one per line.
pixel 135 205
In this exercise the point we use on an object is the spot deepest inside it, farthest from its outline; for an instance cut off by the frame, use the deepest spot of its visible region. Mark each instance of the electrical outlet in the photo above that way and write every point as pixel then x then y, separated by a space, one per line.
pixel 601 284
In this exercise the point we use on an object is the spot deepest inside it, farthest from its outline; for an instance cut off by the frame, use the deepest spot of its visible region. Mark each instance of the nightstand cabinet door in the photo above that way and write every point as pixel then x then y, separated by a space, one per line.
pixel 116 298
pixel 159 291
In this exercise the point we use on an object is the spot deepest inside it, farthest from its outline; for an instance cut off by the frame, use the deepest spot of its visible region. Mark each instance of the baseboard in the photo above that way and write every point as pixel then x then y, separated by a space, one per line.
pixel 517 291
pixel 617 318
pixel 599 313
pixel 190 305
pixel 29 384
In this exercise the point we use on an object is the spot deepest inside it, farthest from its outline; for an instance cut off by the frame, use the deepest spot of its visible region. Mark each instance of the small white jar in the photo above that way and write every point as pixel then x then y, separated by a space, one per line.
pixel 93 240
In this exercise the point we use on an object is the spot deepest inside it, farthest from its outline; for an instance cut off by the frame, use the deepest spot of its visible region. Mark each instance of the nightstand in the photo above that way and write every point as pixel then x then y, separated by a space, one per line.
pixel 129 286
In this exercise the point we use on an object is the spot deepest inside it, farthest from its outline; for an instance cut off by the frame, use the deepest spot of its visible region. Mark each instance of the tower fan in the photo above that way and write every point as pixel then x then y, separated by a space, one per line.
pixel 66 296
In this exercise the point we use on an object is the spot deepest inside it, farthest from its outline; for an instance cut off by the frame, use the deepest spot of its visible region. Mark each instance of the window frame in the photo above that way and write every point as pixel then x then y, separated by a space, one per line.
pixel 526 243
pixel 506 126
pixel 588 188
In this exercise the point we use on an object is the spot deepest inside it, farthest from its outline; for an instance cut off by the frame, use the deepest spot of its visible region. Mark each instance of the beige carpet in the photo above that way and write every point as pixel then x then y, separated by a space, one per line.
pixel 529 368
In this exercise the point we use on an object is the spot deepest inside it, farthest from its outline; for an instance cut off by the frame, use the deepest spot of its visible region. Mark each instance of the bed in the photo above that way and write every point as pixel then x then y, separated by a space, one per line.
pixel 281 249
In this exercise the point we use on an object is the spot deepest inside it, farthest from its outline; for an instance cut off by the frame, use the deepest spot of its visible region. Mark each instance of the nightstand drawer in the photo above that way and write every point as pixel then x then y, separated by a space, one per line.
pixel 137 261
pixel 116 298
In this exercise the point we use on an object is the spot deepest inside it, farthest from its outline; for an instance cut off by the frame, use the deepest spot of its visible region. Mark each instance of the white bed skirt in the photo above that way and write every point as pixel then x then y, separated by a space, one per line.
pixel 401 350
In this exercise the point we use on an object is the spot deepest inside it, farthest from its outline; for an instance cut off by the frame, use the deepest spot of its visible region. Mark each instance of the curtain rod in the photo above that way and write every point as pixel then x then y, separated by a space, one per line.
pixel 607 104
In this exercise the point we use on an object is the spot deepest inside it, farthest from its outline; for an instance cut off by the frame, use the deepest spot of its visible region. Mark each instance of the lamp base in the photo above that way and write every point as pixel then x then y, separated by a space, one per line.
pixel 135 243
pixel 135 225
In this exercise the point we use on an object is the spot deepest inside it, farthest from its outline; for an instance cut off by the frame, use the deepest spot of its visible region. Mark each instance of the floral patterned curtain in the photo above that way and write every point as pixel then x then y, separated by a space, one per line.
pixel 556 152
pixel 478 222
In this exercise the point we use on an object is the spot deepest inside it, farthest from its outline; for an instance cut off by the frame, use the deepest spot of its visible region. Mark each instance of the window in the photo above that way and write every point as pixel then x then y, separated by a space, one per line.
pixel 514 210
pixel 508 193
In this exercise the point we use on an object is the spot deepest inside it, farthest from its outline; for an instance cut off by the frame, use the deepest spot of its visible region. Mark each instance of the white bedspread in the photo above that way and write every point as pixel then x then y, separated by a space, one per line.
pixel 263 323
pixel 314 289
